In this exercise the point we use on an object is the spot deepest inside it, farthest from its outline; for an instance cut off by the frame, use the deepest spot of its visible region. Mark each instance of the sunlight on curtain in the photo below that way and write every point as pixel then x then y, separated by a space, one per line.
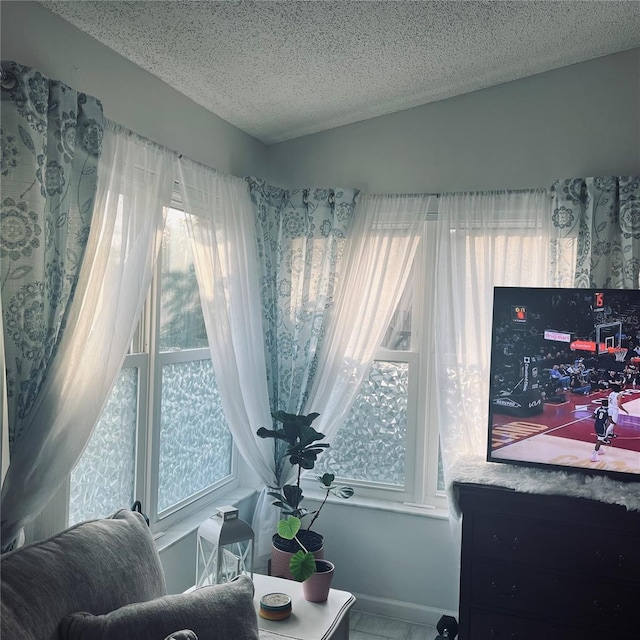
pixel 134 186
pixel 221 226
pixel 484 240
pixel 51 142
pixel 378 260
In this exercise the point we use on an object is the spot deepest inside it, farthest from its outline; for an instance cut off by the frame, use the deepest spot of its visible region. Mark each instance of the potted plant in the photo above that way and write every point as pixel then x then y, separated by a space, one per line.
pixel 315 574
pixel 302 447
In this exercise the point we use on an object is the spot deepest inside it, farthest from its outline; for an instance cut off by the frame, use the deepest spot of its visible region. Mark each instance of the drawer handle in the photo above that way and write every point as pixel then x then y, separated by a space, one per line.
pixel 618 562
pixel 512 636
pixel 612 613
pixel 510 593
pixel 502 543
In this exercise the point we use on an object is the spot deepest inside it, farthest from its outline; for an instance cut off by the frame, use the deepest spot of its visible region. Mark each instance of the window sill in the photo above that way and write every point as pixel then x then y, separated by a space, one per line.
pixel 173 534
pixel 378 504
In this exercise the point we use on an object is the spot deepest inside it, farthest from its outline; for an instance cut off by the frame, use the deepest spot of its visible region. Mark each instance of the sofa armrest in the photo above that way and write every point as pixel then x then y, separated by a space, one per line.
pixel 95 566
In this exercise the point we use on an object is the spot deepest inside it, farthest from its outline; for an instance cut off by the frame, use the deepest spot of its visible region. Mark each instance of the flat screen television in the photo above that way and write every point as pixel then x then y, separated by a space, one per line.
pixel 557 356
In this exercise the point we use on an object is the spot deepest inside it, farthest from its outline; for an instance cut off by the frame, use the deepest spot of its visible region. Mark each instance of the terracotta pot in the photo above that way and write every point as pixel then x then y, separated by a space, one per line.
pixel 316 588
pixel 282 550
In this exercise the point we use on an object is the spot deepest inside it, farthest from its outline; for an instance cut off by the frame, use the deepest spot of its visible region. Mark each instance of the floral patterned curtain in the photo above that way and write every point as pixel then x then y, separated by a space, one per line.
pixel 301 237
pixel 597 232
pixel 51 140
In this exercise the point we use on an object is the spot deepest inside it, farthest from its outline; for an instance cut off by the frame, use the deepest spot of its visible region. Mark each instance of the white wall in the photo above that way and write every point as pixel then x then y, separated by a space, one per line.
pixel 397 564
pixel 36 37
pixel 582 120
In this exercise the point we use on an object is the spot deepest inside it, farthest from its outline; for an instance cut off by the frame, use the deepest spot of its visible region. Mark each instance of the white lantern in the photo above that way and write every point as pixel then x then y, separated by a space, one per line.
pixel 224 547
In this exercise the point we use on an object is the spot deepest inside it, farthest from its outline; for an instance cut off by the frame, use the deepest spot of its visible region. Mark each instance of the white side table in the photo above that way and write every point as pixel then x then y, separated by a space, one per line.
pixel 308 620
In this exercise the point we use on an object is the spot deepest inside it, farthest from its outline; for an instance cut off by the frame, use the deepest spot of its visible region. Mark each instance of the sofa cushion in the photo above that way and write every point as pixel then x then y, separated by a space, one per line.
pixel 220 612
pixel 95 566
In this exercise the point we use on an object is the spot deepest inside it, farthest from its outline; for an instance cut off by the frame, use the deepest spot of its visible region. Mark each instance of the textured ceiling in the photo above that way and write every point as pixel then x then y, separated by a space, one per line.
pixel 279 70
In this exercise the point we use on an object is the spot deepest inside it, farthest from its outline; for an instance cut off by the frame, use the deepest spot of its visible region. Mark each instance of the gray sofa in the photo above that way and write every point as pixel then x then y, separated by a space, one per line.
pixel 102 580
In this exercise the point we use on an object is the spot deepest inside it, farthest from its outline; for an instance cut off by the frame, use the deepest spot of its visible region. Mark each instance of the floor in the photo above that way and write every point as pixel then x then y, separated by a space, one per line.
pixel 365 626
pixel 565 431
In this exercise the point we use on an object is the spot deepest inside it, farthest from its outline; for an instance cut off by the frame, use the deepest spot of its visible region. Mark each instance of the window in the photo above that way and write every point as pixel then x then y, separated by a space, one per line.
pixel 388 447
pixel 104 479
pixel 162 437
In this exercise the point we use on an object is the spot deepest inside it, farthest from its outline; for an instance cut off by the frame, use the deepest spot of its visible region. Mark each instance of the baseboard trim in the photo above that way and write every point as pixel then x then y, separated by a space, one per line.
pixel 415 613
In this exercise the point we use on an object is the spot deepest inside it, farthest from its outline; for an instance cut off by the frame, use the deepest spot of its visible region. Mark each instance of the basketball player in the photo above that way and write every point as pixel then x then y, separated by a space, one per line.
pixel 601 415
pixel 614 409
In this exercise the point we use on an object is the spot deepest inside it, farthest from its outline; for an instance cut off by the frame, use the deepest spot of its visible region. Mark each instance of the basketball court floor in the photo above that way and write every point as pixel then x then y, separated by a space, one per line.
pixel 564 434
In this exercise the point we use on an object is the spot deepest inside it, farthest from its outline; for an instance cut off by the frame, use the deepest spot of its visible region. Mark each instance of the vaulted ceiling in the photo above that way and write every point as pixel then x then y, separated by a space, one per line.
pixel 279 70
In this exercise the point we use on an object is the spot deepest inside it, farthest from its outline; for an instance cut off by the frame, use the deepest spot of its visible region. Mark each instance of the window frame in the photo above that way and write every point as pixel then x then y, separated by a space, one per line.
pixel 431 494
pixel 160 521
pixel 144 355
pixel 423 439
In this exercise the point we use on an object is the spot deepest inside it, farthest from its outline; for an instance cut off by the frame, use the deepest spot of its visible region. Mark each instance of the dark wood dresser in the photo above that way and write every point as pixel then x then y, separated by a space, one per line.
pixel 542 567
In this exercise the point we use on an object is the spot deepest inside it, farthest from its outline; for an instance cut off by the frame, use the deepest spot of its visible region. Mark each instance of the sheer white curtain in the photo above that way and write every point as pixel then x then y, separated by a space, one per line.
pixel 380 250
pixel 222 232
pixel 484 240
pixel 134 186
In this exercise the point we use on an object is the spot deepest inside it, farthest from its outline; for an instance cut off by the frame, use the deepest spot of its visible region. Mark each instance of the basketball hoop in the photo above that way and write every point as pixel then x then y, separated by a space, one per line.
pixel 620 354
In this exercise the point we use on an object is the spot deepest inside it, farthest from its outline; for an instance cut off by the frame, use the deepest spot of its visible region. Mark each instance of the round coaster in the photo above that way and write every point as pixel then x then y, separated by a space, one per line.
pixel 275 606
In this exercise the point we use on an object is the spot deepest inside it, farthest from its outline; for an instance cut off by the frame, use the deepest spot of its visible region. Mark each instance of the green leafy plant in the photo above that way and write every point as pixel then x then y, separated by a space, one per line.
pixel 303 563
pixel 326 481
pixel 303 447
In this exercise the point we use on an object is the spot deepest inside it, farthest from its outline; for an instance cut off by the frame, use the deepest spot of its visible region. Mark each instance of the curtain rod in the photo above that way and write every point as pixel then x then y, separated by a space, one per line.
pixel 460 193
pixel 495 192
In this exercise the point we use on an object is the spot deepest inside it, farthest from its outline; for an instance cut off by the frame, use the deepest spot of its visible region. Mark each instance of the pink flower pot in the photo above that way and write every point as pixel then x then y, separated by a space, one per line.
pixel 316 588
pixel 282 550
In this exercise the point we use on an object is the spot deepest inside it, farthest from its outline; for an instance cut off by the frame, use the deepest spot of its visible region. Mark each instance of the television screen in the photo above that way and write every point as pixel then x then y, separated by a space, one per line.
pixel 565 379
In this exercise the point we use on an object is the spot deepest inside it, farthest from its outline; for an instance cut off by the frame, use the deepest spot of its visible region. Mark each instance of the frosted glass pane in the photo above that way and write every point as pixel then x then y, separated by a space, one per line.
pixel 103 479
pixel 195 441
pixel 181 319
pixel 371 444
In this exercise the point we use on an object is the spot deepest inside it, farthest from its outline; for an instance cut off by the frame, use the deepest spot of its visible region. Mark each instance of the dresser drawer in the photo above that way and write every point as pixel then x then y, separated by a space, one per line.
pixel 492 625
pixel 547 567
pixel 593 551
pixel 554 596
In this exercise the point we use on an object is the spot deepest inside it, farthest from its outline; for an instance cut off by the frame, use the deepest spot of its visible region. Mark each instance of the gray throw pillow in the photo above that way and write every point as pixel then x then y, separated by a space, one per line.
pixel 220 612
